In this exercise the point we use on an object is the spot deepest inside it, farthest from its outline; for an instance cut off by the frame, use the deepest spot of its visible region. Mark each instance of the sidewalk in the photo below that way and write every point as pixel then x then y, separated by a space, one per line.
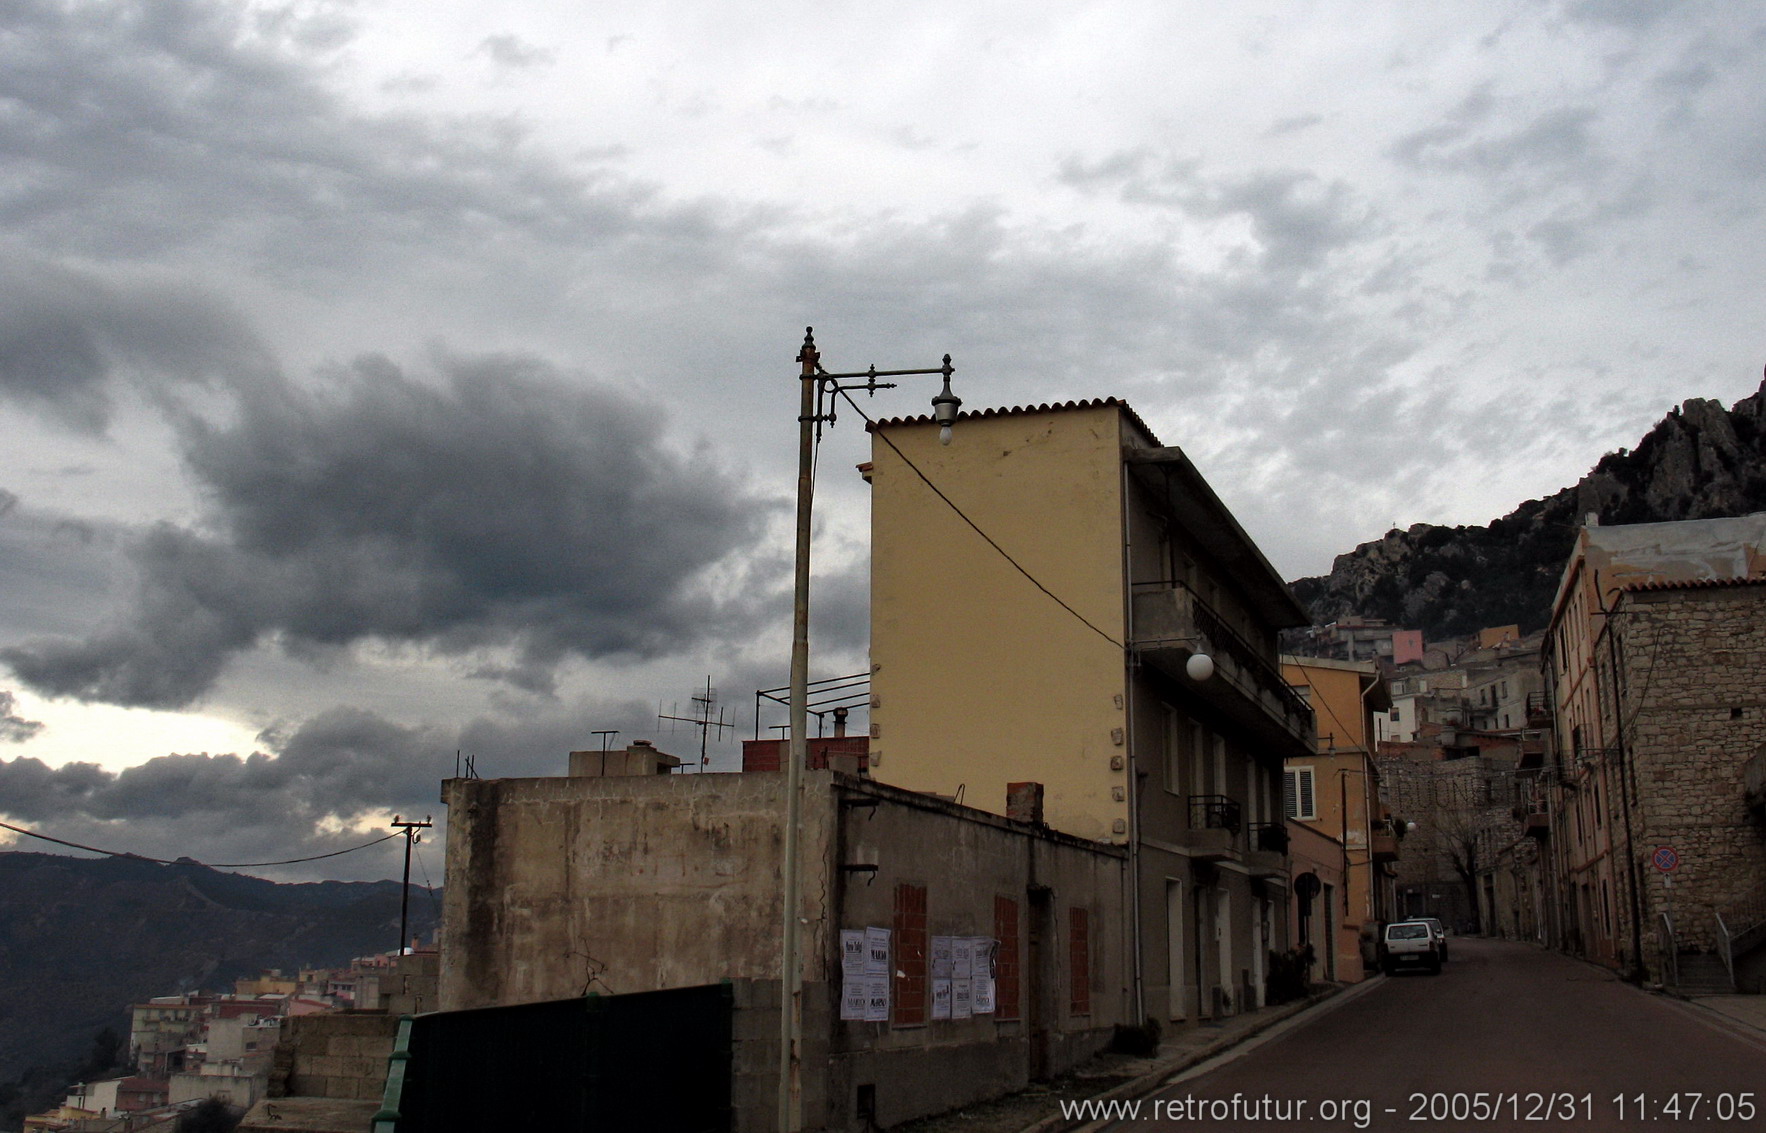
pixel 1110 1076
pixel 1748 1010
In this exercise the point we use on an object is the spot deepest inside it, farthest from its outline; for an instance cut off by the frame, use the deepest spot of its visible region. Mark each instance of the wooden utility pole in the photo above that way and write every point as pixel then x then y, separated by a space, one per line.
pixel 410 831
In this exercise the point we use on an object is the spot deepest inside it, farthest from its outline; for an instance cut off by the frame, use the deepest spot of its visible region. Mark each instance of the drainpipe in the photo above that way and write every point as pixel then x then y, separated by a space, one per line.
pixel 1636 966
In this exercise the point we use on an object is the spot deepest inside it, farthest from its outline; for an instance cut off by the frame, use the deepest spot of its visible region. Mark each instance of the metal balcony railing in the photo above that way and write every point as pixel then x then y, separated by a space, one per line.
pixel 1271 837
pixel 1169 614
pixel 1215 812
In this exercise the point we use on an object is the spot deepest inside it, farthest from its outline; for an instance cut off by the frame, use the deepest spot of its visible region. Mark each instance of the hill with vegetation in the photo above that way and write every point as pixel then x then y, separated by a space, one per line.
pixel 83 938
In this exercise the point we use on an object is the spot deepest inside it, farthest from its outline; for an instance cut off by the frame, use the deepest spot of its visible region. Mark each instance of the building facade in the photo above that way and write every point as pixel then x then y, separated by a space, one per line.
pixel 1336 791
pixel 1058 597
pixel 1655 657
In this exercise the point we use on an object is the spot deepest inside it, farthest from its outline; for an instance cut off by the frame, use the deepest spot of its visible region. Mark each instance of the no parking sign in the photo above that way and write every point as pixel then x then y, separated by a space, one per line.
pixel 1666 859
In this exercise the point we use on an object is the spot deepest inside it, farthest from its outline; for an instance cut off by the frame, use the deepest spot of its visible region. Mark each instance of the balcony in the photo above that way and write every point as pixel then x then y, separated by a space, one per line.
pixel 1382 840
pixel 1213 834
pixel 1268 856
pixel 1171 624
pixel 1536 824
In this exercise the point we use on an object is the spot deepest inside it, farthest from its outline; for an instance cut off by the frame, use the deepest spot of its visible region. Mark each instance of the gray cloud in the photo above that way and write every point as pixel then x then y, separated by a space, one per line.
pixel 139 131
pixel 1552 141
pixel 337 768
pixel 513 52
pixel 15 729
pixel 505 506
pixel 65 334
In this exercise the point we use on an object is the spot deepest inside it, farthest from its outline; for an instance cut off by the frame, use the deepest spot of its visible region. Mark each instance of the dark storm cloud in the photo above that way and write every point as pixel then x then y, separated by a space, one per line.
pixel 500 506
pixel 57 569
pixel 65 334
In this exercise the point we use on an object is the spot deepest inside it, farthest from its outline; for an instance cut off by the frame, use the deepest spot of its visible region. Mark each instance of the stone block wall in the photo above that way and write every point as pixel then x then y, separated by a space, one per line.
pixel 1693 661
pixel 341 1055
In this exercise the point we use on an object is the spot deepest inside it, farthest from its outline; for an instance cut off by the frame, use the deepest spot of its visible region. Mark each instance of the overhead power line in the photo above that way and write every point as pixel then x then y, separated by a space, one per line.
pixel 210 865
pixel 1016 565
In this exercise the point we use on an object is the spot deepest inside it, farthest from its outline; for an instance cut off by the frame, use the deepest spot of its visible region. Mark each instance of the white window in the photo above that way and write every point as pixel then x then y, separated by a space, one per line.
pixel 1298 798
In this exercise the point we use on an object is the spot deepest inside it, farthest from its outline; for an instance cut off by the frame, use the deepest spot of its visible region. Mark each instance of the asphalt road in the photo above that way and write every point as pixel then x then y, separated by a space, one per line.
pixel 1508 1037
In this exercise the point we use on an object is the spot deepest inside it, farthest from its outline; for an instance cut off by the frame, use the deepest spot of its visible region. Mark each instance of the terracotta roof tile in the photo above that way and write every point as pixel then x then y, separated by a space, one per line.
pixel 1695 583
pixel 1022 410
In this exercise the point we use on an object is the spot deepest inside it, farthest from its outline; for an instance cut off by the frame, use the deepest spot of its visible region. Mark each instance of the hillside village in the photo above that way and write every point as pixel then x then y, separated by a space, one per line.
pixel 1116 787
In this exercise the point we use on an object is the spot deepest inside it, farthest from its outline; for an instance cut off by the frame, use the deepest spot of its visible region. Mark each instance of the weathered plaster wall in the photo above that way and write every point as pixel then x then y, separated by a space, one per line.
pixel 558 886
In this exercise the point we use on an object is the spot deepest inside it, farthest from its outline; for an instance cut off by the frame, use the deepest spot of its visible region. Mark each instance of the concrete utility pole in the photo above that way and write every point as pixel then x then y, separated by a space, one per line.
pixel 817 384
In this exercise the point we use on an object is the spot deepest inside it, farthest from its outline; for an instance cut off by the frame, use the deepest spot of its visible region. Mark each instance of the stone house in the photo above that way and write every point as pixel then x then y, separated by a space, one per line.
pixel 1655 655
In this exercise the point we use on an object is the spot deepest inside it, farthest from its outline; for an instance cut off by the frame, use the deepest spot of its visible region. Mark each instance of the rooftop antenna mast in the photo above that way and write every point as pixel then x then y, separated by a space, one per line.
pixel 606 735
pixel 707 715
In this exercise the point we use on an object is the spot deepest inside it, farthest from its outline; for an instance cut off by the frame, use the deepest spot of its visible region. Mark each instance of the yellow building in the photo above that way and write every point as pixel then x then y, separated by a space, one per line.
pixel 1336 791
pixel 1057 598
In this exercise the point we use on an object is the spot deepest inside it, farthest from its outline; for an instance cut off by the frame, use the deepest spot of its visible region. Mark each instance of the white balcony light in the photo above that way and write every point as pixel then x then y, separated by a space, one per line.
pixel 1199 667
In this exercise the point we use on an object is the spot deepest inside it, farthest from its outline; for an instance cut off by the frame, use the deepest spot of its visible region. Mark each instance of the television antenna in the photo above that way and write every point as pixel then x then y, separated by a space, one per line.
pixel 706 715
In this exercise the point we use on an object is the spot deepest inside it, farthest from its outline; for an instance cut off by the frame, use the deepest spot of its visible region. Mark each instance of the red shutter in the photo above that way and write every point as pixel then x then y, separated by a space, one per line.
pixel 910 955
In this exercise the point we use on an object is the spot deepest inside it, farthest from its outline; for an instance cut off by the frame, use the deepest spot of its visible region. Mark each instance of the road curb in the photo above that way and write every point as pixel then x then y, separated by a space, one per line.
pixel 1177 1064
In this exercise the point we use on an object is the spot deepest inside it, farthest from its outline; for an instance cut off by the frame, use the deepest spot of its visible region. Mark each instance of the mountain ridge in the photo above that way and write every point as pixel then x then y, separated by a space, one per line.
pixel 1700 461
pixel 83 938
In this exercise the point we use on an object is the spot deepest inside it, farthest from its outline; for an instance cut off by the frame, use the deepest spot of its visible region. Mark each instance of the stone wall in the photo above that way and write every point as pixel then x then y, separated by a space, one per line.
pixel 1693 660
pixel 340 1055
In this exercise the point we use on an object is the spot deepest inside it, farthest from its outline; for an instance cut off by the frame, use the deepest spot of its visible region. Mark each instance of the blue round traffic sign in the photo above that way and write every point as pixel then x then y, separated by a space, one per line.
pixel 1666 858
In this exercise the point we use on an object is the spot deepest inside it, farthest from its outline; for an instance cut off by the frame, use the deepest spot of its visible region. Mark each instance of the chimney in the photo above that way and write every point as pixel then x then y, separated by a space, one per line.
pixel 1024 802
pixel 840 722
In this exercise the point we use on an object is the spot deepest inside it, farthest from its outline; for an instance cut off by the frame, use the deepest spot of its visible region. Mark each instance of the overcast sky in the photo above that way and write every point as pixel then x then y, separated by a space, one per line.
pixel 382 380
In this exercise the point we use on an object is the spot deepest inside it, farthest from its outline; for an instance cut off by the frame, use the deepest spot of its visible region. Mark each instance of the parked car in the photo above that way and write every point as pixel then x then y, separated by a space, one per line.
pixel 1409 944
pixel 1440 934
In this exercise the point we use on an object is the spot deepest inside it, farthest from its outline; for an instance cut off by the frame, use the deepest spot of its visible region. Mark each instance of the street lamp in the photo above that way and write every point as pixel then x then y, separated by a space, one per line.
pixel 816 408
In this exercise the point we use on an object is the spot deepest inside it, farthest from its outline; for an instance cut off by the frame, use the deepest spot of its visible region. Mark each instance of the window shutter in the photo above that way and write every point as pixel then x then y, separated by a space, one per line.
pixel 1297 794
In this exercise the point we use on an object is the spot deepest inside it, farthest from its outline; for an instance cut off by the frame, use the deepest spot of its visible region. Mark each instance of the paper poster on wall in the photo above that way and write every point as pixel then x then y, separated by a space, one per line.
pixel 854 994
pixel 941 958
pixel 877 951
pixel 981 995
pixel 962 957
pixel 853 953
pixel 983 949
pixel 876 999
pixel 962 994
pixel 941 999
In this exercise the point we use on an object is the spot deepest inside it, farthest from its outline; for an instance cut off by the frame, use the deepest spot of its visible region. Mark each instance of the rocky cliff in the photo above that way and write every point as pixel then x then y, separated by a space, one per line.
pixel 1699 462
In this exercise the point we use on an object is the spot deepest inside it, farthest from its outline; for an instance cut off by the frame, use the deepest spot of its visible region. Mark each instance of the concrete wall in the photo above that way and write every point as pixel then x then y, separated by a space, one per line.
pixel 673 881
pixel 967 654
pixel 560 886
